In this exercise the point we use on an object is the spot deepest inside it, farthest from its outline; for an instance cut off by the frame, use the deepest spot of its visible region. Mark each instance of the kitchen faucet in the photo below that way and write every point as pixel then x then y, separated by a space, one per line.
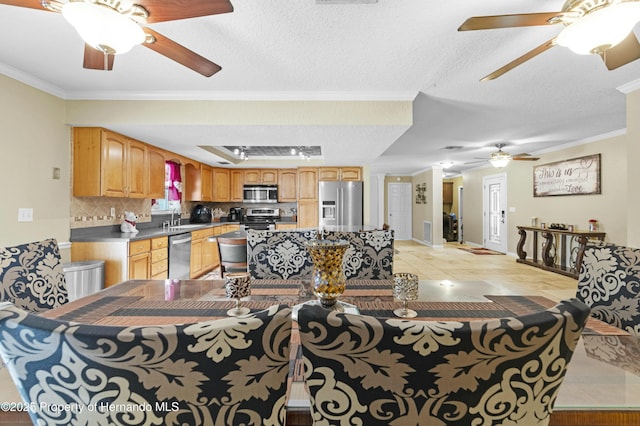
pixel 173 221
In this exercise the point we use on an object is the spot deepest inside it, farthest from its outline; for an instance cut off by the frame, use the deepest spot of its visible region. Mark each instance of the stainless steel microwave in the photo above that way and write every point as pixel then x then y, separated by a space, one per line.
pixel 260 194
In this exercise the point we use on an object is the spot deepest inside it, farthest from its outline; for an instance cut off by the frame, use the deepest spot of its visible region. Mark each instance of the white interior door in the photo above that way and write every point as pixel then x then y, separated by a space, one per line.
pixel 460 213
pixel 399 209
pixel 495 212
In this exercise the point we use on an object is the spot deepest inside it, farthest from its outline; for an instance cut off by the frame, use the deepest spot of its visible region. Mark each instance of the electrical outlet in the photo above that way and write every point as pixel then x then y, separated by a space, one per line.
pixel 25 215
pixel 113 212
pixel 56 173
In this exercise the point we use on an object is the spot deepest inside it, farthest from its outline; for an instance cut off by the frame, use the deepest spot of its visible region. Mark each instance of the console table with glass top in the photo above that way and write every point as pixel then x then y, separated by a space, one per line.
pixel 561 252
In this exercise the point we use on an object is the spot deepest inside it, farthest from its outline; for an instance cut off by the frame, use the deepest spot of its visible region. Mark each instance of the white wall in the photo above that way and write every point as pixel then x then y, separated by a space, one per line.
pixel 609 207
pixel 34 141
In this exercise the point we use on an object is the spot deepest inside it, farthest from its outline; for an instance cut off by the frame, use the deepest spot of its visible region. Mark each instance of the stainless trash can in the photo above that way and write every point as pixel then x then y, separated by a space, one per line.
pixel 83 278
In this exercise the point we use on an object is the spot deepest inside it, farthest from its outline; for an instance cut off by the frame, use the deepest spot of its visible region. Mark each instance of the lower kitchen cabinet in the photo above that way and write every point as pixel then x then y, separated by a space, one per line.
pixel 139 259
pixel 281 226
pixel 201 252
pixel 159 258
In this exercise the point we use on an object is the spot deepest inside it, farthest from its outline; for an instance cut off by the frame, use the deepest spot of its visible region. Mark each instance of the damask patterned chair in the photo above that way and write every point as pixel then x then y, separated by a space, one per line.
pixel 279 254
pixel 370 255
pixel 219 372
pixel 609 282
pixel 369 371
pixel 31 276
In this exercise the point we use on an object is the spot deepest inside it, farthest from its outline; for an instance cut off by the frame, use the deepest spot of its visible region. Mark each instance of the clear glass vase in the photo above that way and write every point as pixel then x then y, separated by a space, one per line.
pixel 327 277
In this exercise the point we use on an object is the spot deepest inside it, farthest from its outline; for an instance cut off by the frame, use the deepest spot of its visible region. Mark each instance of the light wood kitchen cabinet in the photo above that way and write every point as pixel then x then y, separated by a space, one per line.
pixel 307 197
pixel 198 182
pixel 340 173
pixel 206 176
pixel 282 226
pixel 261 176
pixel 287 185
pixel 108 164
pixel 236 186
pixel 159 258
pixel 156 161
pixel 307 214
pixel 221 184
pixel 307 183
pixel 202 252
pixel 139 259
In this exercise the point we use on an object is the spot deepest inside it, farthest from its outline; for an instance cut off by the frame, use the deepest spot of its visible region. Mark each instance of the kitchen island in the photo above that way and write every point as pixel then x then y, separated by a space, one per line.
pixel 183 251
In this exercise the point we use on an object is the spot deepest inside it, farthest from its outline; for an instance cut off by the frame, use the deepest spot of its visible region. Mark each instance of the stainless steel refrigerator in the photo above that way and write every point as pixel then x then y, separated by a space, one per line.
pixel 340 203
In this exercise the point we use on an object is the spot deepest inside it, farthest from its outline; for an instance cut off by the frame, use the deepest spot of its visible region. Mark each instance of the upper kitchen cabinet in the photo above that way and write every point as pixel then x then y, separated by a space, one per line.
pixel 157 161
pixel 198 185
pixel 287 185
pixel 221 185
pixel 340 173
pixel 236 176
pixel 261 176
pixel 307 197
pixel 108 164
pixel 308 183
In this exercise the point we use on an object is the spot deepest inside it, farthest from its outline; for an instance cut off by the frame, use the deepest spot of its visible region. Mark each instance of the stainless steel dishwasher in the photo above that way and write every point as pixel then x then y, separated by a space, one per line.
pixel 180 256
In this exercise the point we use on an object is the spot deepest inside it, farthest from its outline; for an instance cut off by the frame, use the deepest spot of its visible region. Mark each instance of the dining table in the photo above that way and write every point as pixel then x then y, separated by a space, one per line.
pixel 603 376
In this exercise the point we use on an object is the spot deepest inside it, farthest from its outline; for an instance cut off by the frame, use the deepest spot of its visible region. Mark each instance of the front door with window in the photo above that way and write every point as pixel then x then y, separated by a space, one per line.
pixel 495 212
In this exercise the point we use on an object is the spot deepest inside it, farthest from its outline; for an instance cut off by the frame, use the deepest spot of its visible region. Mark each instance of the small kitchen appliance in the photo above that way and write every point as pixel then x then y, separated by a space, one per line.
pixel 235 214
pixel 200 214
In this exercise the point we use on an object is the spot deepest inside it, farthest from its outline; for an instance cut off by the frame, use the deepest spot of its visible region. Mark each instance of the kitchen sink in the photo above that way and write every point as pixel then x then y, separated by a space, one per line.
pixel 191 226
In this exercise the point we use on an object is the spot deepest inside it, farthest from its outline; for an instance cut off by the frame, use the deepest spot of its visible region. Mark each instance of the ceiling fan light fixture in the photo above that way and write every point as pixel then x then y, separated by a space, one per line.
pixel 601 29
pixel 102 27
pixel 500 159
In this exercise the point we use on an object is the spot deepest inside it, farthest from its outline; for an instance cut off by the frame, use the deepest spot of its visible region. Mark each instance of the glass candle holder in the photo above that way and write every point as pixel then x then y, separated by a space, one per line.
pixel 327 276
pixel 405 288
pixel 237 285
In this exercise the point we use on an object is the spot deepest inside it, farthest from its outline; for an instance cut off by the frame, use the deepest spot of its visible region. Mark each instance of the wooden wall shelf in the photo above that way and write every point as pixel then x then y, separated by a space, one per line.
pixel 562 250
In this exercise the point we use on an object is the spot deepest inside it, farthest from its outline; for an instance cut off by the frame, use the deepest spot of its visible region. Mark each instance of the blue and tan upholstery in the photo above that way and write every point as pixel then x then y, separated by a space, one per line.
pixel 609 282
pixel 371 371
pixel 221 372
pixel 283 255
pixel 31 276
pixel 279 254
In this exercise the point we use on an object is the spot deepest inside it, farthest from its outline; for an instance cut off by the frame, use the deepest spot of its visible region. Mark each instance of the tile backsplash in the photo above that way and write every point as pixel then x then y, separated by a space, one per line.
pixel 87 212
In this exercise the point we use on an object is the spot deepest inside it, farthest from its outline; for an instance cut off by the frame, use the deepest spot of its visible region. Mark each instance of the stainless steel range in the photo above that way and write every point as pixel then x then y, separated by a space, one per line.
pixel 260 218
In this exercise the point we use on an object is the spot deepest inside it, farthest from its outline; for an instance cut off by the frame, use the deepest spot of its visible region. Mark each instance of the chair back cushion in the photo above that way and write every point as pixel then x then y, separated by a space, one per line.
pixel 31 276
pixel 233 254
pixel 279 254
pixel 219 372
pixel 368 371
pixel 609 282
pixel 370 255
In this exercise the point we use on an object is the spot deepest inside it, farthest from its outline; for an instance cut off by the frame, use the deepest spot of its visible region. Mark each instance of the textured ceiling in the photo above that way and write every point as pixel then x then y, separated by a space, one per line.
pixel 390 50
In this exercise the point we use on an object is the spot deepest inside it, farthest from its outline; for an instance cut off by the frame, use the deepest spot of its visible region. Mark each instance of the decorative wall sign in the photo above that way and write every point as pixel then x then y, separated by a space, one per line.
pixel 421 193
pixel 577 176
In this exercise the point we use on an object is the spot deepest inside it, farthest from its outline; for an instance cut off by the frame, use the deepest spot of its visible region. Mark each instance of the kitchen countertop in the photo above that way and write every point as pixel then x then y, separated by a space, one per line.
pixel 112 235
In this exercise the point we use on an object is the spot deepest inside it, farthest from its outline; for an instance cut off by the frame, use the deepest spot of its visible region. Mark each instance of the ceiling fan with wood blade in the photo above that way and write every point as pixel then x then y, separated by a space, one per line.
pixel 501 158
pixel 111 27
pixel 603 27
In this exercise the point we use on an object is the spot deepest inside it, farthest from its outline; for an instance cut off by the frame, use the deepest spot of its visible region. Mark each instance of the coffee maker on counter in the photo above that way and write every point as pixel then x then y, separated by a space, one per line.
pixel 235 214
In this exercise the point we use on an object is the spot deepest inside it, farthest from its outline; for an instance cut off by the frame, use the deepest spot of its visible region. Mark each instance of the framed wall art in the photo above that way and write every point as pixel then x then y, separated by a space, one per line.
pixel 421 193
pixel 577 176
